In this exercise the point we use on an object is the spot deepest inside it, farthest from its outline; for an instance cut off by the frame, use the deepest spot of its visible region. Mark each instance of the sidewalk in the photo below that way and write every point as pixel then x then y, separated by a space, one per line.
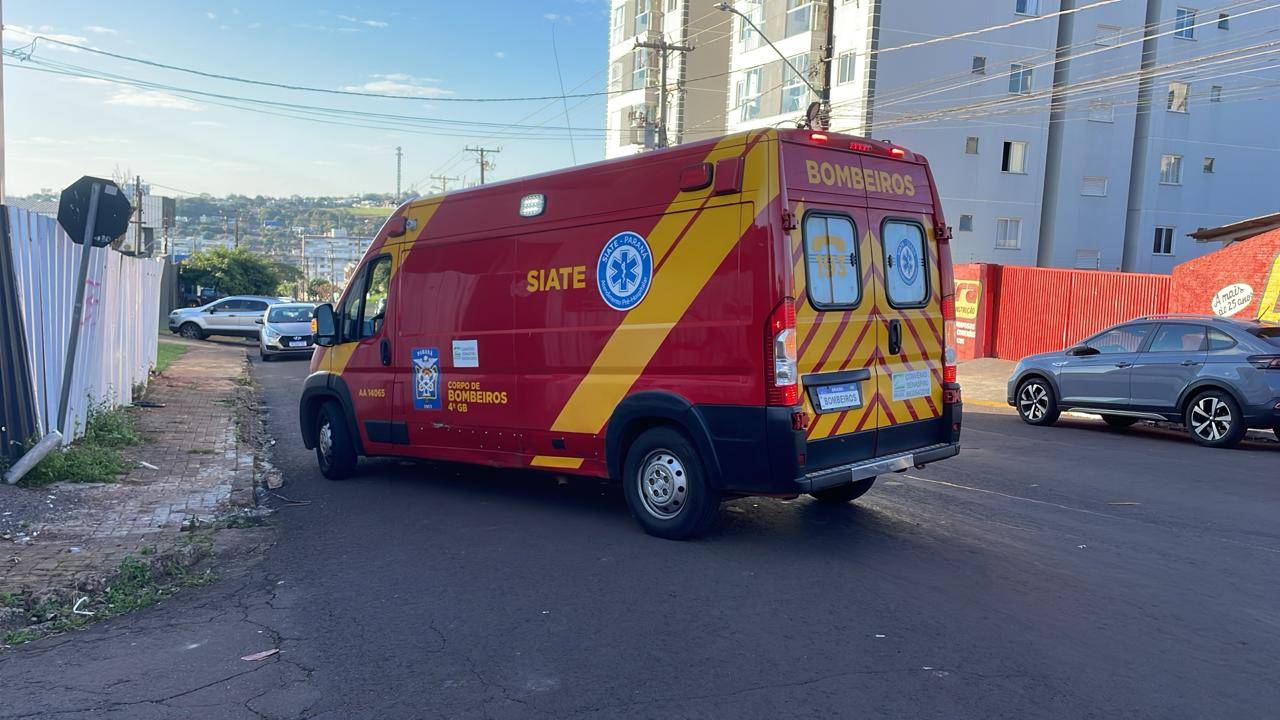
pixel 73 534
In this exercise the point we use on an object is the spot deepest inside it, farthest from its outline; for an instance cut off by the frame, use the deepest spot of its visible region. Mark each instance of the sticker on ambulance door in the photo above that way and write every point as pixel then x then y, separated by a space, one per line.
pixel 912 384
pixel 426 378
pixel 624 270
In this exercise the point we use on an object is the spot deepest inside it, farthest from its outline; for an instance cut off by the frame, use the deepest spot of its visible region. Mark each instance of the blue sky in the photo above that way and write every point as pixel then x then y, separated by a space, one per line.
pixel 59 128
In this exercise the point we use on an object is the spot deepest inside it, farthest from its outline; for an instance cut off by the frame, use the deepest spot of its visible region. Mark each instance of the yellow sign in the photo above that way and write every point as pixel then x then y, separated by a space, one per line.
pixel 1269 306
pixel 968 297
pixel 841 175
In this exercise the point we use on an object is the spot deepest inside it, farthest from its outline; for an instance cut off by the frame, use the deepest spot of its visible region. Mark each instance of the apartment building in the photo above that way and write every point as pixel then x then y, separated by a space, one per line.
pixel 695 78
pixel 1064 133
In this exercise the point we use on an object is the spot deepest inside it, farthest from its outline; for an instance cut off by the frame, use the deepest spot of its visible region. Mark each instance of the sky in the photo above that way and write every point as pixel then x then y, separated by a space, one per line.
pixel 59 127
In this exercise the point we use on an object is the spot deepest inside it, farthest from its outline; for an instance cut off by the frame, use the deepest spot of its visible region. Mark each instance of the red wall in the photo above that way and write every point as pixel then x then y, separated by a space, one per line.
pixel 975 295
pixel 1241 280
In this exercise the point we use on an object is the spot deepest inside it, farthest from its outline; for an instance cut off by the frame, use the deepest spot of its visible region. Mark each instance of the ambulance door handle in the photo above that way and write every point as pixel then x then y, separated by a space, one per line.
pixel 385 347
pixel 895 337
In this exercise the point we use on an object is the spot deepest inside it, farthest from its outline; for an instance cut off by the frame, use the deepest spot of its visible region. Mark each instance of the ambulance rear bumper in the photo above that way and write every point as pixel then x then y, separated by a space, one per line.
pixel 897 462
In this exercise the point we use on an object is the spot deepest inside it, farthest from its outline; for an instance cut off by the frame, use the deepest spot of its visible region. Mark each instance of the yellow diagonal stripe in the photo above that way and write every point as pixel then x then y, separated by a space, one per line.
pixel 552 461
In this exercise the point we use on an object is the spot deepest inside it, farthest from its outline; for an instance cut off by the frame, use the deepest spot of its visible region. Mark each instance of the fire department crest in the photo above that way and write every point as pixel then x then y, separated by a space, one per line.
pixel 624 271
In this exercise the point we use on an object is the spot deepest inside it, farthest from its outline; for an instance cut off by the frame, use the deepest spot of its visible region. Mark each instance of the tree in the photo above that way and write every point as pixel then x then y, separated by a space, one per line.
pixel 322 289
pixel 291 278
pixel 231 272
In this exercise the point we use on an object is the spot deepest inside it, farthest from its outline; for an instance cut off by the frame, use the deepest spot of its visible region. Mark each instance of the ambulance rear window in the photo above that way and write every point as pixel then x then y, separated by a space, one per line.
pixel 831 261
pixel 906 274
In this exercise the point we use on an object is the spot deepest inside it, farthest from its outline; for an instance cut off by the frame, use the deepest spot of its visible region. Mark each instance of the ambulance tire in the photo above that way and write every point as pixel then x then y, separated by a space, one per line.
pixel 335 451
pixel 679 503
pixel 844 493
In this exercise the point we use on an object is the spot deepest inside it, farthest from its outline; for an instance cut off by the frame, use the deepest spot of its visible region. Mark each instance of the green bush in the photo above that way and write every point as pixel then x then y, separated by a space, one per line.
pixel 93 458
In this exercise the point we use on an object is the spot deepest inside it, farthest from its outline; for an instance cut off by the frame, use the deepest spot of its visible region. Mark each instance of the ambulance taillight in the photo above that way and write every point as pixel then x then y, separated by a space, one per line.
pixel 949 334
pixel 782 381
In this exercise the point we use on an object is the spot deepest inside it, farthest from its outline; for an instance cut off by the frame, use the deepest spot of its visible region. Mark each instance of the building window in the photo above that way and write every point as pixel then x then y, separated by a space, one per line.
pixel 1026 7
pixel 640 68
pixel 1019 79
pixel 1178 92
pixel 1215 93
pixel 979 65
pixel 1093 186
pixel 619 23
pixel 1224 21
pixel 799 15
pixel 1088 259
pixel 615 76
pixel 1208 164
pixel 844 68
pixel 1008 233
pixel 1014 158
pixel 1102 111
pixel 1184 25
pixel 794 89
pixel 966 223
pixel 1106 34
pixel 1164 241
pixel 747 93
pixel 971 145
pixel 1171 170
pixel 643 8
pixel 748 38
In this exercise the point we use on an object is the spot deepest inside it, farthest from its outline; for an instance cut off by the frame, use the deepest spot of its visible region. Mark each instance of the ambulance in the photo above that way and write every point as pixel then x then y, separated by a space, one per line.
pixel 770 313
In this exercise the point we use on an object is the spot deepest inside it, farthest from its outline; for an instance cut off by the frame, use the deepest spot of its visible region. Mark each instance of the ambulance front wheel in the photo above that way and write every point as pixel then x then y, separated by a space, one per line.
pixel 666 487
pixel 335 450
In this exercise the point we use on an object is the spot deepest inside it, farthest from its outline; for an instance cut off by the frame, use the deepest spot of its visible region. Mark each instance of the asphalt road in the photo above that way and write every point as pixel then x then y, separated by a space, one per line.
pixel 1067 572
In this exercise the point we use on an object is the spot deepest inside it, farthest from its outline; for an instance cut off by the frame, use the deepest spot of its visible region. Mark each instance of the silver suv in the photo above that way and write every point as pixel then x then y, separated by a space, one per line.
pixel 236 315
pixel 1217 376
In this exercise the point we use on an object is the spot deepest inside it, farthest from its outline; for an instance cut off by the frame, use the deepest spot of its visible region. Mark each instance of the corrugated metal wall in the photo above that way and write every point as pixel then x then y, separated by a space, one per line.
pixel 1043 309
pixel 118 345
pixel 17 407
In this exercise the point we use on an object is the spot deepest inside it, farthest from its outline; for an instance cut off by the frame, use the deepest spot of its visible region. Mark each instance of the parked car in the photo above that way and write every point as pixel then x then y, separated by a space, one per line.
pixel 285 329
pixel 235 315
pixel 1217 376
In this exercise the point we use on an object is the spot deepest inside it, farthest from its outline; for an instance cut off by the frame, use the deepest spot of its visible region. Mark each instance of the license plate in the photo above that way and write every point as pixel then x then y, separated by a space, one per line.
pixel 838 397
pixel 299 343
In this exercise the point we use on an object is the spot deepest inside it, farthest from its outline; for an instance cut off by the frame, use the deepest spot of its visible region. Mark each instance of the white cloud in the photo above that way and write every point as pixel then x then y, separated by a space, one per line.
pixel 41 140
pixel 255 25
pixel 361 21
pixel 375 23
pixel 500 55
pixel 85 81
pixel 207 123
pixel 133 97
pixel 551 16
pixel 100 30
pixel 27 33
pixel 210 15
pixel 400 84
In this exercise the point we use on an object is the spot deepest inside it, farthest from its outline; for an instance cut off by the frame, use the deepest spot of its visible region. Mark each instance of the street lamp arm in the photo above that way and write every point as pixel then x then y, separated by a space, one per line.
pixel 730 8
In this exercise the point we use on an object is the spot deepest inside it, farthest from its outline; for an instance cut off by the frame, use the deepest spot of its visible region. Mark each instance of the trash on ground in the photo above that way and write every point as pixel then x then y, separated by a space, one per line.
pixel 261 655
pixel 76 608
pixel 148 465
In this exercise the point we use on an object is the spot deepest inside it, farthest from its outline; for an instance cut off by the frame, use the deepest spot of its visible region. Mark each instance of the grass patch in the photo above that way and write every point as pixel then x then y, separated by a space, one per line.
pixel 371 211
pixel 93 458
pixel 166 353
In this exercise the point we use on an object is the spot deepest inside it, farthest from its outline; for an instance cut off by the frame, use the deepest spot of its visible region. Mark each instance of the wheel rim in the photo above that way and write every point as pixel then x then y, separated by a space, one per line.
pixel 325 442
pixel 663 484
pixel 1210 419
pixel 189 331
pixel 1033 401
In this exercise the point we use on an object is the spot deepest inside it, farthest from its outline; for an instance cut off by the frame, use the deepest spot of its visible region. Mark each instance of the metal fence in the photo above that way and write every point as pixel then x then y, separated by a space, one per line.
pixel 118 345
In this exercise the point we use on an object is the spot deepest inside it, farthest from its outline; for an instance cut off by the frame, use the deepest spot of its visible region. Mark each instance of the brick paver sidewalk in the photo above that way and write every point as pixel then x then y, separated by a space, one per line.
pixel 203 469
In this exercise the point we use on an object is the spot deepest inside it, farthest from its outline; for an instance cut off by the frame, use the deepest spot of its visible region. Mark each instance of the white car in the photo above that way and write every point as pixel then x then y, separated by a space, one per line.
pixel 285 329
pixel 236 315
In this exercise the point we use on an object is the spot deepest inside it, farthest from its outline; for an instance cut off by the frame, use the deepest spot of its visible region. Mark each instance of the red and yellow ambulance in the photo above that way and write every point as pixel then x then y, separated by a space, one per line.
pixel 769 313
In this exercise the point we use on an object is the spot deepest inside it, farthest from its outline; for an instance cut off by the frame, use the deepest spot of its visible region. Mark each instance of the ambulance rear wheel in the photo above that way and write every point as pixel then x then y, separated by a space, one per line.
pixel 335 450
pixel 666 487
pixel 844 493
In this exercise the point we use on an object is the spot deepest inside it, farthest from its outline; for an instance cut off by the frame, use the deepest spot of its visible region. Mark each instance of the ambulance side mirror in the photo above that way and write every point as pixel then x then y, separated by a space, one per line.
pixel 324 326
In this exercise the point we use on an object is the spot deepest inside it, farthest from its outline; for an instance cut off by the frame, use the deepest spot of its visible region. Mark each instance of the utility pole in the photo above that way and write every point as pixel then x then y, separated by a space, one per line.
pixel 137 229
pixel 399 157
pixel 441 183
pixel 484 164
pixel 828 59
pixel 663 47
pixel 237 236
pixel 1 105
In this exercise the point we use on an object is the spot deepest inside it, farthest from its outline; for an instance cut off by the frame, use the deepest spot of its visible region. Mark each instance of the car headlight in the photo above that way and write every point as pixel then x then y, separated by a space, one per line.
pixel 270 334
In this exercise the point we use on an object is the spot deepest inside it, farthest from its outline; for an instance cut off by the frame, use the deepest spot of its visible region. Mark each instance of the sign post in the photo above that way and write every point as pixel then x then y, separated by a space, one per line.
pixel 94 212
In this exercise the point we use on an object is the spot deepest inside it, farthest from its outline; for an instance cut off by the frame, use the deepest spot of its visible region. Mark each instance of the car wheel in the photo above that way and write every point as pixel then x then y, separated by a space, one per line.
pixel 1213 418
pixel 844 493
pixel 191 331
pixel 1119 421
pixel 335 450
pixel 666 487
pixel 264 356
pixel 1036 402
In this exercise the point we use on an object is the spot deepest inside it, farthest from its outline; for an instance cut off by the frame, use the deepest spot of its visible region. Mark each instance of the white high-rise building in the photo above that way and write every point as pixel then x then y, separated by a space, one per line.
pixel 695 78
pixel 1065 133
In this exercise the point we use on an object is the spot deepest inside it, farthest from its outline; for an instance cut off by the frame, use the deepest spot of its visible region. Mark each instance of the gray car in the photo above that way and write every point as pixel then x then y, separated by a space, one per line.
pixel 1217 376
pixel 236 316
pixel 285 329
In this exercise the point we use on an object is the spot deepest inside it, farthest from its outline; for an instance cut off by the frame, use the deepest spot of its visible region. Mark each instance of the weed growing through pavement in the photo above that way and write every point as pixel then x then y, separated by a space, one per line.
pixel 95 457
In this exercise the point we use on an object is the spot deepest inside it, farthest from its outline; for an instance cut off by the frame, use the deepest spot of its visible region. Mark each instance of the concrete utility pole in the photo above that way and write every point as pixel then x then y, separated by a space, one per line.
pixel 663 47
pixel 441 183
pixel 480 158
pixel 237 235
pixel 828 59
pixel 1 104
pixel 399 157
